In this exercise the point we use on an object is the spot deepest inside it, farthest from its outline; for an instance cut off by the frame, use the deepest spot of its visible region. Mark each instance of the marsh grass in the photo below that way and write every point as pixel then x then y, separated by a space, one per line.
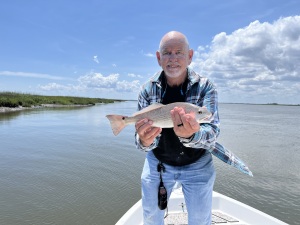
pixel 13 100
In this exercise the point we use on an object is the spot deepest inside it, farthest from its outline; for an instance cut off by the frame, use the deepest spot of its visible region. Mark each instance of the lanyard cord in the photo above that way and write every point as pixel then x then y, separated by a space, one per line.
pixel 161 169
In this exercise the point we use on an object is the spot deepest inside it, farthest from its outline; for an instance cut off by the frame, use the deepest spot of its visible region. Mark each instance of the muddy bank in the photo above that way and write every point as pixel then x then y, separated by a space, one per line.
pixel 8 109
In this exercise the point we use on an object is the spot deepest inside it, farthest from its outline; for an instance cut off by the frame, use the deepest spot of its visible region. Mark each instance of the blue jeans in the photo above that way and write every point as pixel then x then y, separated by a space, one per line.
pixel 197 180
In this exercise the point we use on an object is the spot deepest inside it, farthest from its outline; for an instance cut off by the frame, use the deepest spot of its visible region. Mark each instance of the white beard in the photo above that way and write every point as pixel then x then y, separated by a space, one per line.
pixel 174 73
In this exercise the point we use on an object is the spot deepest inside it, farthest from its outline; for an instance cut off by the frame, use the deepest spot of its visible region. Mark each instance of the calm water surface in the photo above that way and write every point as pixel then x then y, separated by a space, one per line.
pixel 65 167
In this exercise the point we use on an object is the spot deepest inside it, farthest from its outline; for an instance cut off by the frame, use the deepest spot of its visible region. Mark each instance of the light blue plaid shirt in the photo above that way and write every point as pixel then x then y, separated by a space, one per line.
pixel 201 92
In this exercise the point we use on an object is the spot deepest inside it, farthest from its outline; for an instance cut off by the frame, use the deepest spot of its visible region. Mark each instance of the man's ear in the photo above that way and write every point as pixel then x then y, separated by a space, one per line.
pixel 158 57
pixel 191 53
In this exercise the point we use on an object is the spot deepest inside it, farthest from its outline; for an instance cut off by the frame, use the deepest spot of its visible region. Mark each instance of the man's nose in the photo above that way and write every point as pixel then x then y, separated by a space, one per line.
pixel 173 56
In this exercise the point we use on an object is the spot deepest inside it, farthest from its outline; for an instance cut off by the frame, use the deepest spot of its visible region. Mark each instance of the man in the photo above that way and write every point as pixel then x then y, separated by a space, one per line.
pixel 182 150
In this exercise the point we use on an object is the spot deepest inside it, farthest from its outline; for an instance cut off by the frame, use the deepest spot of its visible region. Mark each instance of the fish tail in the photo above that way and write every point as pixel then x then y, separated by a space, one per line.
pixel 117 123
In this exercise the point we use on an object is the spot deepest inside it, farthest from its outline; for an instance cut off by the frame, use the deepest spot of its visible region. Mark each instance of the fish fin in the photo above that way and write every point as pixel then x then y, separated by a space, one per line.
pixel 149 108
pixel 117 123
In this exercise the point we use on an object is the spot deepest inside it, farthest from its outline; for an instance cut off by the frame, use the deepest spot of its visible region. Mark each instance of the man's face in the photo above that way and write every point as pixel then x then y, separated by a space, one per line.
pixel 174 57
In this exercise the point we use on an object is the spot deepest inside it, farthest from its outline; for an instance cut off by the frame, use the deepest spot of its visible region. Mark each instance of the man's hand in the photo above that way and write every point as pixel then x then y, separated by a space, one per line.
pixel 185 124
pixel 146 132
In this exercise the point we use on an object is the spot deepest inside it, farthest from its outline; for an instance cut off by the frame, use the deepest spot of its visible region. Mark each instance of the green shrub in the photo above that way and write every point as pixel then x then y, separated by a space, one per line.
pixel 12 99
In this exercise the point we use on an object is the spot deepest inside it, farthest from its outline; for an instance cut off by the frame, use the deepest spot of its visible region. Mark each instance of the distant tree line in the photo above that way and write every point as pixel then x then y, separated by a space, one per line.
pixel 13 100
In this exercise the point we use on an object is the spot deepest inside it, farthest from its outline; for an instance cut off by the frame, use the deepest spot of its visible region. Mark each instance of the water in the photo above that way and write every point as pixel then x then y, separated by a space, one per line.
pixel 65 167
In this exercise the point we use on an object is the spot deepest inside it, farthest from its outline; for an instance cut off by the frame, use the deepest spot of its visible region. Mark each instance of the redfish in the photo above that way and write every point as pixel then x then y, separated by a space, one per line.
pixel 159 114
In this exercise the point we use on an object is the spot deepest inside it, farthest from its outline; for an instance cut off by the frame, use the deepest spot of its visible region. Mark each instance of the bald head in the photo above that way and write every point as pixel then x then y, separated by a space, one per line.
pixel 175 36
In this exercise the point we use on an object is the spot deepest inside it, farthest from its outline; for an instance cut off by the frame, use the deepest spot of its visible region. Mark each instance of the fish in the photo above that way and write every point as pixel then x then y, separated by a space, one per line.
pixel 159 114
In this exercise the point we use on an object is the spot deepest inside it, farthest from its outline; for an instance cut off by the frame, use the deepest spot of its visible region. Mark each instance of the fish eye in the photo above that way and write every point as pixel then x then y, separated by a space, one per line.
pixel 200 112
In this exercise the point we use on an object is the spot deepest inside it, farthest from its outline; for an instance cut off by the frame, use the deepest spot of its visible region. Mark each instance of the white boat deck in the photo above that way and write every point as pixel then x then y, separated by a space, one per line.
pixel 218 217
pixel 225 211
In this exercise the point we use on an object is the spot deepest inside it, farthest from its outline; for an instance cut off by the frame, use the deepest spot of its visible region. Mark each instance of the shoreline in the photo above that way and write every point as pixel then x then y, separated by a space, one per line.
pixel 21 108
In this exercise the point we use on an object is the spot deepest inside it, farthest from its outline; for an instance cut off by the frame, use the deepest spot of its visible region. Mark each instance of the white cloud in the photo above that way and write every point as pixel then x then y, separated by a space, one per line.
pixel 126 86
pixel 95 58
pixel 32 75
pixel 150 55
pixel 55 87
pixel 134 75
pixel 261 58
pixel 96 82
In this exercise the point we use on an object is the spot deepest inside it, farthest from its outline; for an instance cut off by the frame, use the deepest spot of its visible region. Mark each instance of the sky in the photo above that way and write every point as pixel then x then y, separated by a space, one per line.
pixel 250 49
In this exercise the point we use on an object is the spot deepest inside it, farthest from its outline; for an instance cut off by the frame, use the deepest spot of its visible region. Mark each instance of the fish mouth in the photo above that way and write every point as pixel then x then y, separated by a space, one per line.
pixel 208 118
pixel 205 119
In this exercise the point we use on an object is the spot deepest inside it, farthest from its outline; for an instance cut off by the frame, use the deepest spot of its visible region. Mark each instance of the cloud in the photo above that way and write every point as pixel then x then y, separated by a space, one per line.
pixel 56 87
pixel 150 55
pixel 32 75
pixel 260 58
pixel 96 82
pixel 134 75
pixel 95 58
pixel 127 86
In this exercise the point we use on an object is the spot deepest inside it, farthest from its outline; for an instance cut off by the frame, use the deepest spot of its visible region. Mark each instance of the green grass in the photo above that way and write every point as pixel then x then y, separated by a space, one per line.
pixel 12 100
